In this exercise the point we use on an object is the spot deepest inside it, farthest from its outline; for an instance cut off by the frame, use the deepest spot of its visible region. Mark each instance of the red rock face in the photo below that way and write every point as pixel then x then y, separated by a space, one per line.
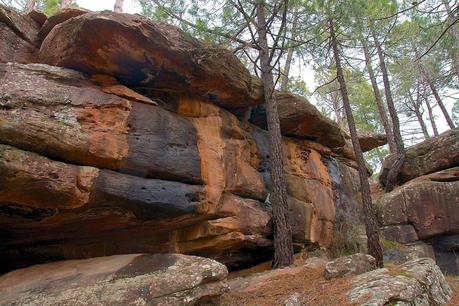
pixel 19 36
pixel 144 53
pixel 92 167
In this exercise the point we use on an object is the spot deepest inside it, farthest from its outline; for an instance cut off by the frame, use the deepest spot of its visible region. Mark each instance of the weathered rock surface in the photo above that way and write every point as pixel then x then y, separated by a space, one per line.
pixel 299 118
pixel 422 208
pixel 150 54
pixel 369 141
pixel 19 34
pixel 349 265
pixel 139 279
pixel 103 166
pixel 418 282
pixel 58 18
pixel 432 155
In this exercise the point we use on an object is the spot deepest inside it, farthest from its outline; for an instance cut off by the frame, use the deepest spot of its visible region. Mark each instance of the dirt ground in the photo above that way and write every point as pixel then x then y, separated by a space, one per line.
pixel 453 282
pixel 307 282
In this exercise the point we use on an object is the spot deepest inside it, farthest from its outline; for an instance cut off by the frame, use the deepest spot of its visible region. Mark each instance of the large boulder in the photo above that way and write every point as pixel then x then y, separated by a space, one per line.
pixel 432 155
pixel 19 34
pixel 418 282
pixel 368 141
pixel 299 118
pixel 349 265
pixel 422 208
pixel 139 279
pixel 59 17
pixel 142 53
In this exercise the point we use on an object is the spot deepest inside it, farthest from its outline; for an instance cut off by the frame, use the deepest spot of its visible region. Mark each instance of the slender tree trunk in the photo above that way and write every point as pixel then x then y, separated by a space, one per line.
pixel 118 6
pixel 30 5
pixel 454 50
pixel 433 88
pixel 283 247
pixel 431 116
pixel 389 179
pixel 337 108
pixel 65 4
pixel 371 225
pixel 288 62
pixel 418 114
pixel 379 102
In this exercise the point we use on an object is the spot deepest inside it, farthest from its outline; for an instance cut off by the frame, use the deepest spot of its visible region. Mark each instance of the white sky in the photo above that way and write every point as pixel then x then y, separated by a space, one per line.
pixel 130 6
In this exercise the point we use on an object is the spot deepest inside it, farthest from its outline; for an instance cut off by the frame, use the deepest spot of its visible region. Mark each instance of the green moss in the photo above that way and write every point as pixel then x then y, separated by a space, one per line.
pixel 390 244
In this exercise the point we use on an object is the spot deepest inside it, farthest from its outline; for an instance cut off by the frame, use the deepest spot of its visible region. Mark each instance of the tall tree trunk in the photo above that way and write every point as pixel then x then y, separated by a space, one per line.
pixel 371 225
pixel 65 4
pixel 288 62
pixel 417 112
pixel 433 88
pixel 431 116
pixel 30 5
pixel 337 108
pixel 283 247
pixel 379 102
pixel 389 178
pixel 454 50
pixel 118 6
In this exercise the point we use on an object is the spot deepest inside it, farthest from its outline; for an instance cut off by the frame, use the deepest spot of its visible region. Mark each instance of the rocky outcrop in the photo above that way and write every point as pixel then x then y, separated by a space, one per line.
pixel 150 54
pixel 133 133
pixel 19 35
pixel 418 282
pixel 100 167
pixel 369 141
pixel 432 155
pixel 424 209
pixel 354 264
pixel 139 279
pixel 299 118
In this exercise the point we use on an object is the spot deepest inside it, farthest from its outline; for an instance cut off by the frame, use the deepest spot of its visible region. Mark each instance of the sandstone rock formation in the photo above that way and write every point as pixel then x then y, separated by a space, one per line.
pixel 432 155
pixel 144 53
pixel 425 207
pixel 138 279
pixel 19 35
pixel 100 159
pixel 418 282
pixel 349 265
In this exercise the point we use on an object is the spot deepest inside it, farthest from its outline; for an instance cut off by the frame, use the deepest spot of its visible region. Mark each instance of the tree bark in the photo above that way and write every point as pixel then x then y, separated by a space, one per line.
pixel 30 5
pixel 431 116
pixel 288 62
pixel 454 51
pixel 283 247
pixel 389 179
pixel 65 4
pixel 417 112
pixel 433 88
pixel 371 225
pixel 379 102
pixel 118 6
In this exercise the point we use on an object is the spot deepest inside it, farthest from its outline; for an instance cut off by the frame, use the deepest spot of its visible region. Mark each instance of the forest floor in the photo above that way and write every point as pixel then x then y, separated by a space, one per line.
pixel 250 287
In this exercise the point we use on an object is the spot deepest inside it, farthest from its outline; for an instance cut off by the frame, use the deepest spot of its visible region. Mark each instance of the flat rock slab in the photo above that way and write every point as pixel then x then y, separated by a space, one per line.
pixel 136 279
pixel 432 155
